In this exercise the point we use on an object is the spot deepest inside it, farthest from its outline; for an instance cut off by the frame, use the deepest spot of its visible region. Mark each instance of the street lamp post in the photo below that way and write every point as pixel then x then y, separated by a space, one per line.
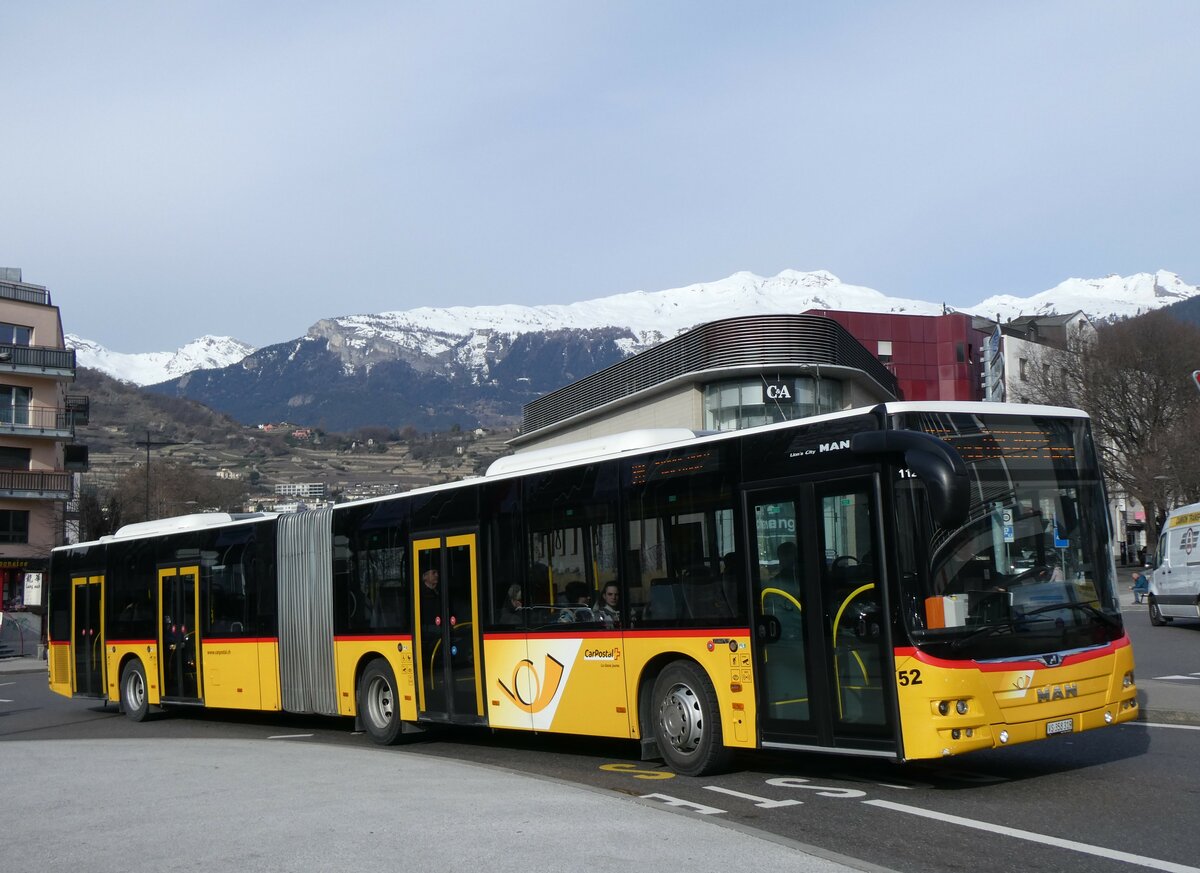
pixel 149 443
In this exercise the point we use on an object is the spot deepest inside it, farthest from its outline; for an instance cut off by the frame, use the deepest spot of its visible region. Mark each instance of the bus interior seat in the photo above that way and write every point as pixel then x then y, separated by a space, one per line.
pixel 665 600
pixel 705 598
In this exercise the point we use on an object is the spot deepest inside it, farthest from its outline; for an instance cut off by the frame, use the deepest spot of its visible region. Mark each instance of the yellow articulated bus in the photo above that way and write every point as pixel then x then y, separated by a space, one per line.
pixel 907 581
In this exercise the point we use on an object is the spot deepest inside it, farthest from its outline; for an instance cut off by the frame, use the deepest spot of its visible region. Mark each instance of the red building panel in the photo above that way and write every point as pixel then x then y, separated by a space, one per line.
pixel 925 351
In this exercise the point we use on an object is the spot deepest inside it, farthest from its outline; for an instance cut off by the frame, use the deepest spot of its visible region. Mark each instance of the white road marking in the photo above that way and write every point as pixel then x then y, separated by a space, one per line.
pixel 1182 727
pixel 684 804
pixel 1187 677
pixel 5 700
pixel 1044 839
pixel 288 736
pixel 760 802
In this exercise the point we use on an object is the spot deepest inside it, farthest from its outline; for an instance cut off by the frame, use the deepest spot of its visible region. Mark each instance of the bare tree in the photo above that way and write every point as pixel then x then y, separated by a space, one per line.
pixel 171 488
pixel 1134 380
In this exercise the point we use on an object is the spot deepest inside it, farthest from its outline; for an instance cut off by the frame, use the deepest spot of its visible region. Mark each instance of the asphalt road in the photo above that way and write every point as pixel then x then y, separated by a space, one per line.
pixel 1110 799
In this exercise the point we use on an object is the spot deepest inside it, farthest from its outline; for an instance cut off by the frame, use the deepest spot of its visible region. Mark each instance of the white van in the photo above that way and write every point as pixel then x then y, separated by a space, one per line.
pixel 1175 584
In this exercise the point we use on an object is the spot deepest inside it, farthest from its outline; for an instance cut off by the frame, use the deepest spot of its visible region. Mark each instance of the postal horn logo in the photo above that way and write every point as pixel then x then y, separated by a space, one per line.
pixel 1188 540
pixel 530 690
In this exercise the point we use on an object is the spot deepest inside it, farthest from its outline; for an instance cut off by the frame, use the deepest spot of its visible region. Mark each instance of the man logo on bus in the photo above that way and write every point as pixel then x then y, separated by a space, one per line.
pixel 1188 541
pixel 541 691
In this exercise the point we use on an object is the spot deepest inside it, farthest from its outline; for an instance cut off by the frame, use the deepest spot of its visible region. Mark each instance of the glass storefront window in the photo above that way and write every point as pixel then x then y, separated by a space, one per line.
pixel 741 403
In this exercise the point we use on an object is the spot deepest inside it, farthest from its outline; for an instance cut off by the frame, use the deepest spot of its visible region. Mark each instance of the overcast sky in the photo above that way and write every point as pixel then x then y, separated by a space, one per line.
pixel 185 168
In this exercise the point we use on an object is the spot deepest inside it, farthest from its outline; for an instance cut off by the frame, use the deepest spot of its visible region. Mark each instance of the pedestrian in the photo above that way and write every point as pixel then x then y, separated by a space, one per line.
pixel 1141 585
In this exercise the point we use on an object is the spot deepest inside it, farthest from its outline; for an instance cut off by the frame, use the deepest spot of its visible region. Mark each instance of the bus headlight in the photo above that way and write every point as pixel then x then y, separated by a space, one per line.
pixel 961 707
pixel 1127 681
pixel 943 707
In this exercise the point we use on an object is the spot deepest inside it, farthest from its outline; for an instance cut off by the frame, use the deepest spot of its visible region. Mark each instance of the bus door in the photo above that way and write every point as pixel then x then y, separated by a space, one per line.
pixel 87 635
pixel 449 678
pixel 820 635
pixel 178 626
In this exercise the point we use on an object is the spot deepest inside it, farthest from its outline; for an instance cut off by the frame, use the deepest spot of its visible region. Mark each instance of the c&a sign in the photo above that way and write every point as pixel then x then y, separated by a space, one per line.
pixel 779 391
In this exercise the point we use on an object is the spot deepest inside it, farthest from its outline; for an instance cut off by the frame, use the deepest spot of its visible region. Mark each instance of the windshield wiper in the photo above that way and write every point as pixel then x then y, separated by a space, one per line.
pixel 1082 607
pixel 986 631
pixel 1013 621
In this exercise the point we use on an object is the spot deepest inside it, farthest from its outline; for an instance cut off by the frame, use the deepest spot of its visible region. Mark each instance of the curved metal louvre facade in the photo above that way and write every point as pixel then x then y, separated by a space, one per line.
pixel 766 340
pixel 304 554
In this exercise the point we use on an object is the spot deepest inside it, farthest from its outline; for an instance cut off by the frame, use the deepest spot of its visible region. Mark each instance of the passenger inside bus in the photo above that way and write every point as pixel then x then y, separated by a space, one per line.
pixel 608 607
pixel 431 598
pixel 786 571
pixel 510 612
pixel 576 608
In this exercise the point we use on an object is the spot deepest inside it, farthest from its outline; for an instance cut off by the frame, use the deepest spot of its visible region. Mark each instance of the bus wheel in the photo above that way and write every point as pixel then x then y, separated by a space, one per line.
pixel 378 706
pixel 133 691
pixel 687 726
pixel 1156 617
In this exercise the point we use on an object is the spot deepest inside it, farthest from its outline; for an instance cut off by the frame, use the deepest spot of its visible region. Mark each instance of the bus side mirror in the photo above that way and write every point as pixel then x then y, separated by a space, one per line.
pixel 935 462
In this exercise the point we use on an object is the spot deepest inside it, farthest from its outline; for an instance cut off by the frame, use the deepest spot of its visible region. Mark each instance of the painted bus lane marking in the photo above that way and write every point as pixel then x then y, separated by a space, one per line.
pixel 1033 837
pixel 637 772
pixel 794 782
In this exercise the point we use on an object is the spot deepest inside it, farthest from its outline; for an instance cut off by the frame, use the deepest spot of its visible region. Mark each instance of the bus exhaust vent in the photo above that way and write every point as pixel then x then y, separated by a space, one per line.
pixel 305 561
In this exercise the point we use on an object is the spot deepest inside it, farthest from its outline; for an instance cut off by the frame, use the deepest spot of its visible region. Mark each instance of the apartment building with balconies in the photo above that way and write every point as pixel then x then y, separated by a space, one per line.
pixel 39 459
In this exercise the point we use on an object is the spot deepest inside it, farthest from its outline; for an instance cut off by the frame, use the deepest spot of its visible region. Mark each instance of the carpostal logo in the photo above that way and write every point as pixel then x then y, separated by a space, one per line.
pixel 533 691
pixel 613 654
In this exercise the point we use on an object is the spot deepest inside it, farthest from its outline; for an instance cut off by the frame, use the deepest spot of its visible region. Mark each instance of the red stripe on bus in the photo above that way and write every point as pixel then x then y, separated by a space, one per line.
pixel 617 632
pixel 1031 664
pixel 225 640
pixel 351 638
pixel 702 633
pixel 131 642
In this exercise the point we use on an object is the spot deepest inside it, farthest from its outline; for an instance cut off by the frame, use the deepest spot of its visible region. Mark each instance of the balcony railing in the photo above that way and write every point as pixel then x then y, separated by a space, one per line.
pixel 35 484
pixel 24 293
pixel 44 421
pixel 37 360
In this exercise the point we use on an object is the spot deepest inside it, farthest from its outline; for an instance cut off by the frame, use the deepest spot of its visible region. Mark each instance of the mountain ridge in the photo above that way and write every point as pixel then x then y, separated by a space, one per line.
pixel 425 335
pixel 434 369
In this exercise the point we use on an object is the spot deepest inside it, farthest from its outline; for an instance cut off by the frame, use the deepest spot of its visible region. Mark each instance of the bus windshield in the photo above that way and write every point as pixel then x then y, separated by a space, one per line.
pixel 1029 572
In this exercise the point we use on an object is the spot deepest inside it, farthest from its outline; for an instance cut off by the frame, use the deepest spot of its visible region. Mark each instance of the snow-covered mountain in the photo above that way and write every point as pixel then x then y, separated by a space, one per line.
pixel 1106 299
pixel 471 336
pixel 205 353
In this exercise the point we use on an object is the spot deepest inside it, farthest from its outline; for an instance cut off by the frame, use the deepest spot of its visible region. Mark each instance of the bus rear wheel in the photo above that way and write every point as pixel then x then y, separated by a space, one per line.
pixel 133 691
pixel 687 725
pixel 378 703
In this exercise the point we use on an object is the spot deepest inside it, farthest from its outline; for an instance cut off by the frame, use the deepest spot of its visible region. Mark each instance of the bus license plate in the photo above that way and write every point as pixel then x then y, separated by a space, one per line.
pixel 1062 726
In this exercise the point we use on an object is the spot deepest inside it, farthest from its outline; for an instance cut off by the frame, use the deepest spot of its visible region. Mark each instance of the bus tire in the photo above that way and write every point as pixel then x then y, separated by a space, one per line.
pixel 134 702
pixel 1156 617
pixel 686 721
pixel 379 704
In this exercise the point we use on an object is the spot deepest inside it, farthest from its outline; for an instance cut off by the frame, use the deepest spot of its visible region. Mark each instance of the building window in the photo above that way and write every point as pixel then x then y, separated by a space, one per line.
pixel 884 351
pixel 15 334
pixel 14 404
pixel 1023 363
pixel 14 526
pixel 752 402
pixel 12 458
pixel 960 353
